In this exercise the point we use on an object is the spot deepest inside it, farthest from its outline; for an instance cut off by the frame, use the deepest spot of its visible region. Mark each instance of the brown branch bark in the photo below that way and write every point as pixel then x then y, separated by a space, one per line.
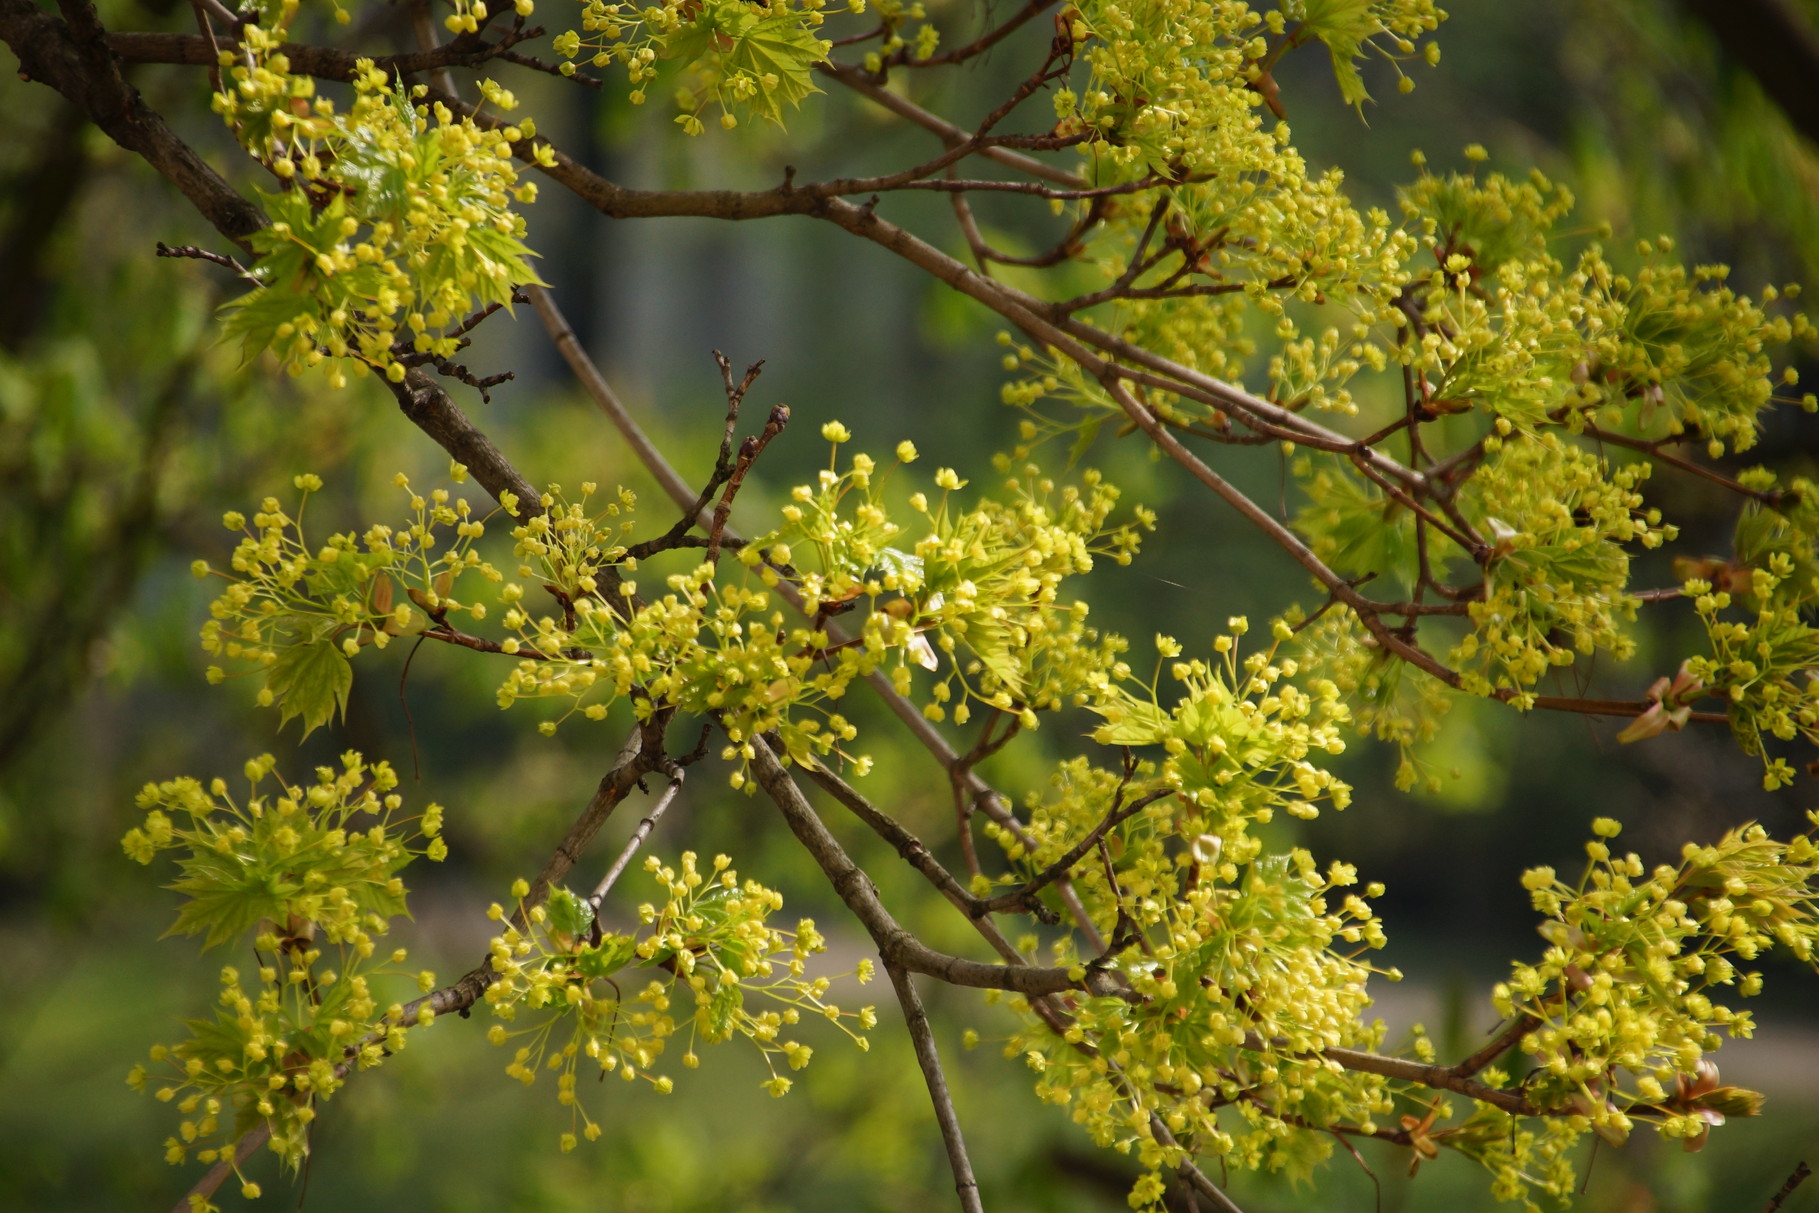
pixel 1799 1176
pixel 72 55
pixel 1444 1078
pixel 897 946
pixel 431 409
pixel 928 1057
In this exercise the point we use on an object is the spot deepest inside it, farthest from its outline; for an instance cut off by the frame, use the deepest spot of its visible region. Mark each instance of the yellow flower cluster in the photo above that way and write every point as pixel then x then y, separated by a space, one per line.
pixel 298 872
pixel 1624 1005
pixel 296 614
pixel 396 221
pixel 1241 961
pixel 1762 668
pixel 710 938
pixel 975 598
pixel 1555 580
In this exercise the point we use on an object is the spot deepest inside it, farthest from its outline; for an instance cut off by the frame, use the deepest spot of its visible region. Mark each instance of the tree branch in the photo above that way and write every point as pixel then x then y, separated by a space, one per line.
pixel 432 410
pixel 902 56
pixel 929 1058
pixel 1023 896
pixel 912 849
pixel 1799 1176
pixel 897 946
pixel 641 754
pixel 1444 1078
pixel 73 57
pixel 639 834
pixel 1500 1044
pixel 862 83
pixel 211 1181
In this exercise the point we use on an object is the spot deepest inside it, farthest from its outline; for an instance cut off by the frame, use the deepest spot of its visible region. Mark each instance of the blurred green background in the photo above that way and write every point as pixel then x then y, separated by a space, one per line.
pixel 125 431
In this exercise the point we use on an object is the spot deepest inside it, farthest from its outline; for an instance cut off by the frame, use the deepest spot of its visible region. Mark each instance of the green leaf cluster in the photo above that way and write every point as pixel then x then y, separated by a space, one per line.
pixel 741 56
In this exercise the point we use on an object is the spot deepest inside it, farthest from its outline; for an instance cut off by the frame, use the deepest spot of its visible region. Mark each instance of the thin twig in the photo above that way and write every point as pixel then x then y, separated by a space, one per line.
pixel 1655 450
pixel 1518 1027
pixel 749 450
pixel 1376 1187
pixel 896 945
pixel 929 1058
pixel 639 756
pixel 639 834
pixel 199 254
pixel 983 253
pixel 961 185
pixel 1196 1178
pixel 601 393
pixel 695 513
pixel 912 850
pixel 234 21
pixel 862 83
pixel 404 703
pixel 908 846
pixel 217 1175
pixel 902 57
pixel 1801 1171
pixel 550 69
pixel 208 31
pixel 963 799
pixel 482 644
pixel 1021 897
pixel 470 323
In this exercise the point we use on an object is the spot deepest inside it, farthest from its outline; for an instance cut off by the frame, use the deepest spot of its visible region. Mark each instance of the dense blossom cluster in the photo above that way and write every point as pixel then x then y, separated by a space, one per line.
pixel 1241 958
pixel 308 874
pixel 395 222
pixel 1622 1010
pixel 1758 618
pixel 709 941
pixel 975 598
pixel 1554 583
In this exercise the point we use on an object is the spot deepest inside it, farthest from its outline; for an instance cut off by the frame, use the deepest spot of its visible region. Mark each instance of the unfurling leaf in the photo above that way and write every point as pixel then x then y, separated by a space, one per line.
pixel 569 914
pixel 310 681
